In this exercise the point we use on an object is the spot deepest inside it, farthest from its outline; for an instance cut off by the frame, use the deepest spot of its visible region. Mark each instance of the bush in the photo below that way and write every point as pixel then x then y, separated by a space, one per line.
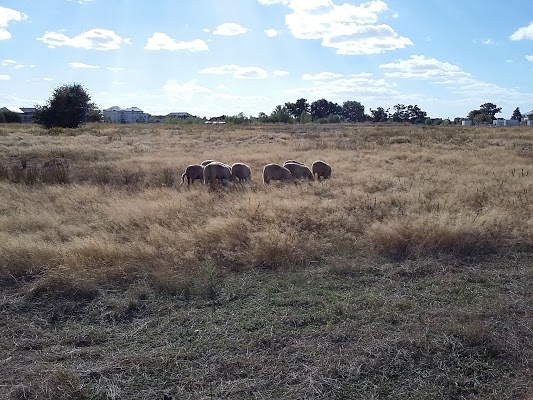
pixel 333 119
pixel 10 117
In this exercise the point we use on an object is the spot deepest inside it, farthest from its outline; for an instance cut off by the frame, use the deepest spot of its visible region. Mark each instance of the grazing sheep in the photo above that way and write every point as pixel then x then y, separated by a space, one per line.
pixel 242 172
pixel 216 170
pixel 205 162
pixel 192 172
pixel 299 171
pixel 321 169
pixel 293 162
pixel 276 172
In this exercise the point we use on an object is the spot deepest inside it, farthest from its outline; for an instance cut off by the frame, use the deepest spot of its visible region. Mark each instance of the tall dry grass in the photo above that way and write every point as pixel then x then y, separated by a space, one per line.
pixel 117 213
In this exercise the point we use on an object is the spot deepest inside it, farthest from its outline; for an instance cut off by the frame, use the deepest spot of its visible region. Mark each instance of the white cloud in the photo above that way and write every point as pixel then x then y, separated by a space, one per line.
pixel 184 91
pixel 529 58
pixel 8 62
pixel 271 32
pixel 18 66
pixel 350 29
pixel 320 76
pixel 420 67
pixel 353 86
pixel 118 83
pixel 237 71
pixel 5 77
pixel 230 29
pixel 525 32
pixel 115 69
pixel 206 30
pixel 396 15
pixel 487 42
pixel 7 15
pixel 280 72
pixel 161 41
pixel 48 79
pixel 75 64
pixel 94 39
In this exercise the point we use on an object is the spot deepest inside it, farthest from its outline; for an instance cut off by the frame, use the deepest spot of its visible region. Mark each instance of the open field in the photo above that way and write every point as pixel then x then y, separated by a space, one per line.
pixel 406 275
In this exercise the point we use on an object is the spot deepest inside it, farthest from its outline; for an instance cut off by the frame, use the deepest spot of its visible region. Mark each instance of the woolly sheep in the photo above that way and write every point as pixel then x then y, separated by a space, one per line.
pixel 205 162
pixel 276 172
pixel 242 172
pixel 216 170
pixel 299 171
pixel 192 172
pixel 321 169
pixel 293 162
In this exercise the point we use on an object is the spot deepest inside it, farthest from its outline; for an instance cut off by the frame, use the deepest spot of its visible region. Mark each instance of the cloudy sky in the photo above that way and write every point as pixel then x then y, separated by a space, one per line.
pixel 213 57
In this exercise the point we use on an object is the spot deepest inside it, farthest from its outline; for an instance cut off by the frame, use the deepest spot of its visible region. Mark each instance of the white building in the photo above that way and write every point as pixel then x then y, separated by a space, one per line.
pixel 466 122
pixel 132 115
pixel 505 122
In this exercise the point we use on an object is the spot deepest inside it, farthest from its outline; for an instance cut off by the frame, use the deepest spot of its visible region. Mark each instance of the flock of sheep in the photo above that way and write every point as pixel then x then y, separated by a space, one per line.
pixel 210 171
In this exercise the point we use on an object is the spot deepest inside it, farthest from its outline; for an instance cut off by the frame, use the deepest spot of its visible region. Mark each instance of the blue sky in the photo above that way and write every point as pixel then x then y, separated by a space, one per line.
pixel 213 57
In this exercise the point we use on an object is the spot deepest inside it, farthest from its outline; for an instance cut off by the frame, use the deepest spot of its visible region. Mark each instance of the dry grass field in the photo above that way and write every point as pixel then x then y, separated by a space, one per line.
pixel 407 275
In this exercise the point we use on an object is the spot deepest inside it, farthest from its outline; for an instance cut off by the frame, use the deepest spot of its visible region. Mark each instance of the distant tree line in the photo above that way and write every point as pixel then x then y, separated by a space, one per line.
pixel 70 106
pixel 324 111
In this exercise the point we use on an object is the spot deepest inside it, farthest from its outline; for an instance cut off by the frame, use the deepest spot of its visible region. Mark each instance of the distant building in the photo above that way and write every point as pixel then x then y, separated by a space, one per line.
pixel 25 112
pixel 525 117
pixel 466 122
pixel 11 109
pixel 132 115
pixel 179 115
pixel 27 116
pixel 505 122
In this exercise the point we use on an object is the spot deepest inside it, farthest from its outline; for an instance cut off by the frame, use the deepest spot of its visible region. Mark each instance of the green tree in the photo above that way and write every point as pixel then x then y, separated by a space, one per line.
pixel 415 115
pixel 517 114
pixel 296 109
pixel 379 115
pixel 280 114
pixel 478 118
pixel 67 107
pixel 94 114
pixel 490 110
pixel 400 113
pixel 353 111
pixel 323 109
pixel 2 118
pixel 262 117
pixel 238 119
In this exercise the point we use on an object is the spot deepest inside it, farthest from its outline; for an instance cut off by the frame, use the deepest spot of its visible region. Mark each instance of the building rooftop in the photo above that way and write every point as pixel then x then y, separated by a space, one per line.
pixel 12 109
